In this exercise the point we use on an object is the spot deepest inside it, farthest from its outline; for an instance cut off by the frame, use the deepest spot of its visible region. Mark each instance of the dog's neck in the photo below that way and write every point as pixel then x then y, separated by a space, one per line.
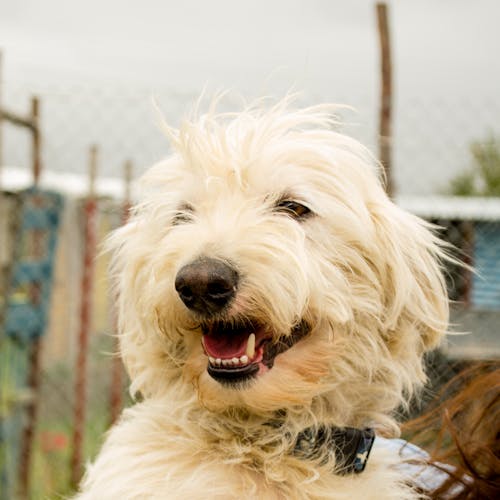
pixel 347 448
pixel 350 447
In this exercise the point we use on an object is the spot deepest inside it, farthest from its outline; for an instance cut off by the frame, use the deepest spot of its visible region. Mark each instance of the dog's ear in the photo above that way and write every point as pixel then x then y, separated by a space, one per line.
pixel 414 293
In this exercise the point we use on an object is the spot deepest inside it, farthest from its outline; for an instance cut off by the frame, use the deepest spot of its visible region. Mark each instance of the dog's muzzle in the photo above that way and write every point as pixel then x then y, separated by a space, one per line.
pixel 206 285
pixel 238 348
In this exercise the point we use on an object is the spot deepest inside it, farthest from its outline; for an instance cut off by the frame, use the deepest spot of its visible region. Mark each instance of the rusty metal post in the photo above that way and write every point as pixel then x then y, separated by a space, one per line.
pixel 90 214
pixel 36 145
pixel 34 348
pixel 385 112
pixel 27 438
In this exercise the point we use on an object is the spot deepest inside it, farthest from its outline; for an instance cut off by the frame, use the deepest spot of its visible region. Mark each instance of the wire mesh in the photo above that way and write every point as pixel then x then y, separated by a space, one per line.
pixel 431 146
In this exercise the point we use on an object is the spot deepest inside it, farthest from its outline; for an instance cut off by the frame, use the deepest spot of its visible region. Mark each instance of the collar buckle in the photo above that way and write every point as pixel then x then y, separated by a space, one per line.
pixel 350 446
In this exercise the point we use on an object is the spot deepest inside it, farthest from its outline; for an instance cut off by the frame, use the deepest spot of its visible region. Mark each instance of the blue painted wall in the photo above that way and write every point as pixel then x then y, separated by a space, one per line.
pixel 486 285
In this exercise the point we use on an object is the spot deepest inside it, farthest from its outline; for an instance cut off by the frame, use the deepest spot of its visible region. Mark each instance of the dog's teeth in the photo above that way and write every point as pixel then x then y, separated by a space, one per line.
pixel 244 359
pixel 250 352
pixel 226 362
pixel 218 361
pixel 211 360
pixel 235 361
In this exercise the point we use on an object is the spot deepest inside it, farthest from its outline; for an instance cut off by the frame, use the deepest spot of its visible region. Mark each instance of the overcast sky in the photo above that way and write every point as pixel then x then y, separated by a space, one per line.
pixel 442 49
pixel 447 45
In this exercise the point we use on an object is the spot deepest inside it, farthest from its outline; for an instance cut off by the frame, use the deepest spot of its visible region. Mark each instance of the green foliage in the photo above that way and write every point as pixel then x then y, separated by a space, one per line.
pixel 463 184
pixel 483 179
pixel 52 446
pixel 487 158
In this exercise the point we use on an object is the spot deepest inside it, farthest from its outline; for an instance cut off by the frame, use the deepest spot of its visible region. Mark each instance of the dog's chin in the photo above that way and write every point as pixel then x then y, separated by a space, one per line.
pixel 239 352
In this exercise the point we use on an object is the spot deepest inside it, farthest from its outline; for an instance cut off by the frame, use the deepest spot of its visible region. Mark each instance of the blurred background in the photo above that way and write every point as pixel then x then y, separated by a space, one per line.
pixel 77 122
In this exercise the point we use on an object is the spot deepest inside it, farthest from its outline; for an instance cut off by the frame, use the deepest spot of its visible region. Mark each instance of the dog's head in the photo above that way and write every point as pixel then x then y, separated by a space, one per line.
pixel 267 269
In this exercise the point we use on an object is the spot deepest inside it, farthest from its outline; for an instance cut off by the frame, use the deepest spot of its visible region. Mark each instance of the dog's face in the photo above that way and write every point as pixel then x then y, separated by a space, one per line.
pixel 267 269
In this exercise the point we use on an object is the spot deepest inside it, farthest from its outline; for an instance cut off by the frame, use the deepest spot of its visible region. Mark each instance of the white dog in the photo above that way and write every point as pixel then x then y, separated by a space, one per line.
pixel 274 309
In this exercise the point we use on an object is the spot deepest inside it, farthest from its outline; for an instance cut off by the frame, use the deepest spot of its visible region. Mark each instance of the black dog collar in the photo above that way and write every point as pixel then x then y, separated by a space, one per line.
pixel 350 446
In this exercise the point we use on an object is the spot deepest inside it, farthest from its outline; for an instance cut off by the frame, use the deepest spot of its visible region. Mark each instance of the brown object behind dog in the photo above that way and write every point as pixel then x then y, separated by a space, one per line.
pixel 464 431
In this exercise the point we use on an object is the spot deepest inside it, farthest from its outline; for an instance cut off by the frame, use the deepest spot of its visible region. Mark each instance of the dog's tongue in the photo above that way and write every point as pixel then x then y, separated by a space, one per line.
pixel 230 345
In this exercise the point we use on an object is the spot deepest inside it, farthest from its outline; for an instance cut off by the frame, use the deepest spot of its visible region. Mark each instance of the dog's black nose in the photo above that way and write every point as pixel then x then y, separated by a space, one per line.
pixel 206 285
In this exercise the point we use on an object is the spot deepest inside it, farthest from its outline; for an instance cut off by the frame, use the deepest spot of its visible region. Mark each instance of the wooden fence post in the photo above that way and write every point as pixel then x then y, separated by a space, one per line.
pixel 385 116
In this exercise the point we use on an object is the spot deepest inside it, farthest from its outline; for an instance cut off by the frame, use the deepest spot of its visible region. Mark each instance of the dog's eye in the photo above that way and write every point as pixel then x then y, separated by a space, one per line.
pixel 293 208
pixel 183 215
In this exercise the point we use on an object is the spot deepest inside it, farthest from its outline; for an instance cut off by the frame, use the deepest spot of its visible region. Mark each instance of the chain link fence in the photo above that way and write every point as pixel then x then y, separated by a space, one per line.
pixel 431 141
pixel 432 145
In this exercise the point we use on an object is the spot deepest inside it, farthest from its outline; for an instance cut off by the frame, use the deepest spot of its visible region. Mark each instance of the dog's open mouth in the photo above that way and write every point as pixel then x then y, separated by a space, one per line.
pixel 238 351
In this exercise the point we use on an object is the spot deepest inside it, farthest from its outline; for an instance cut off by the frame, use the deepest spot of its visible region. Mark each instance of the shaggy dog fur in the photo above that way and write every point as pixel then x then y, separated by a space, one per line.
pixel 298 212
